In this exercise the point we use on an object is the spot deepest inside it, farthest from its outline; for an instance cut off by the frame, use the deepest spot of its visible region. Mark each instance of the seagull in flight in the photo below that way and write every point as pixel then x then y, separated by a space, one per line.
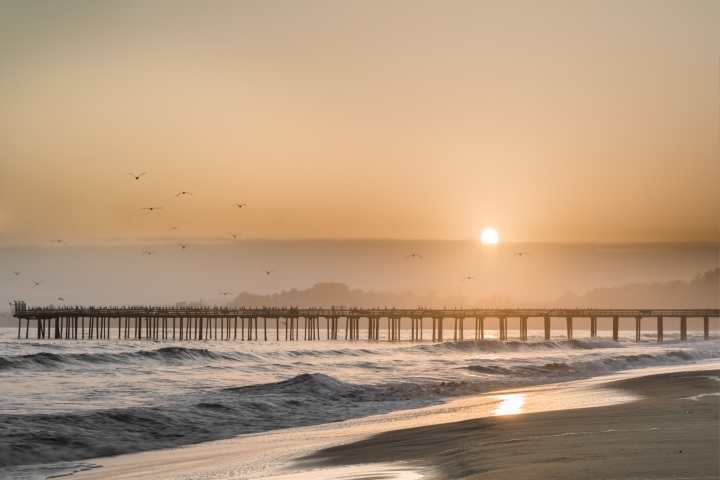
pixel 149 253
pixel 59 241
pixel 414 255
pixel 17 273
pixel 61 299
pixel 240 205
pixel 184 193
pixel 234 235
pixel 225 293
pixel 520 254
pixel 469 278
pixel 183 245
pixel 151 208
pixel 36 282
pixel 267 271
pixel 173 228
pixel 137 177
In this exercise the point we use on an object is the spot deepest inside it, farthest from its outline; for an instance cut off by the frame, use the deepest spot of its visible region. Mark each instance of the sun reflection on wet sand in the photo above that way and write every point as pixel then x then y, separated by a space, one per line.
pixel 510 404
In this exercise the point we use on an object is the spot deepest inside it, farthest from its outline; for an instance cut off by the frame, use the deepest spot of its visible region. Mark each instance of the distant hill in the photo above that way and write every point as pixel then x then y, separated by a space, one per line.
pixel 703 291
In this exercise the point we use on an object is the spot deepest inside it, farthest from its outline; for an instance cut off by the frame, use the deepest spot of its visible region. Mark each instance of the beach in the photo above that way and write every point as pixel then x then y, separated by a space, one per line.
pixel 627 425
pixel 671 431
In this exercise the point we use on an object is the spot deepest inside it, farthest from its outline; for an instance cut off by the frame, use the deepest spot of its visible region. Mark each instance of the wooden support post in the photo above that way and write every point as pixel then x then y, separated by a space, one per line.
pixel 593 327
pixel 546 321
pixel 683 329
pixel 659 329
pixel 706 327
pixel 616 328
pixel 569 328
pixel 637 328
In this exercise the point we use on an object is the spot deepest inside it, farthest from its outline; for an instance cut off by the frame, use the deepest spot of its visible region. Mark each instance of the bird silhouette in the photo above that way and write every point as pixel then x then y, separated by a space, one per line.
pixel 58 241
pixel 61 299
pixel 520 254
pixel 173 228
pixel 137 177
pixel 414 255
pixel 149 253
pixel 225 293
pixel 36 282
pixel 240 205
pixel 183 246
pixel 151 208
pixel 184 193
pixel 469 278
pixel 17 273
pixel 267 271
pixel 234 235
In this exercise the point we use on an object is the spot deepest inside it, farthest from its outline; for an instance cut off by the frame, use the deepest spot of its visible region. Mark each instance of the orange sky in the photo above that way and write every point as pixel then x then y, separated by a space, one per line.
pixel 550 121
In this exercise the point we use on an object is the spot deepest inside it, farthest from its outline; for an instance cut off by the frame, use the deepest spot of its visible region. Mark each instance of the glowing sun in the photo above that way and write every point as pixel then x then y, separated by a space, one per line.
pixel 489 236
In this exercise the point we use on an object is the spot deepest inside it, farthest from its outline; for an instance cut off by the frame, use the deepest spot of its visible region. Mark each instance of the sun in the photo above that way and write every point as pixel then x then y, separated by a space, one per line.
pixel 489 236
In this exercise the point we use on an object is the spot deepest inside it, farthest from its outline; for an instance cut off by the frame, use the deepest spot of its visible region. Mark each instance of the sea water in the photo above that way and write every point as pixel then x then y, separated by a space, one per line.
pixel 64 401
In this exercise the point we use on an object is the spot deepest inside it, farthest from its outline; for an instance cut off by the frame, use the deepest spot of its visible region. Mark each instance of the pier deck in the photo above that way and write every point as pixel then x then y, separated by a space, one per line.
pixel 224 323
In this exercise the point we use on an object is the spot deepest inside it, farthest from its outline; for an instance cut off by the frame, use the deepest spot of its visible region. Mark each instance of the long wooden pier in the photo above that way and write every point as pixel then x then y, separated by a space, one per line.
pixel 223 323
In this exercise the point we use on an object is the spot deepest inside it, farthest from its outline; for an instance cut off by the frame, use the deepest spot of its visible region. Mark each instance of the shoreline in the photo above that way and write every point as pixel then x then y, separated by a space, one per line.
pixel 287 453
pixel 671 431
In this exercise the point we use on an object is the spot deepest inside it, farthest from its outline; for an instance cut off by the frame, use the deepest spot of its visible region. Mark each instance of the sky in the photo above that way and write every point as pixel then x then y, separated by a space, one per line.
pixel 552 121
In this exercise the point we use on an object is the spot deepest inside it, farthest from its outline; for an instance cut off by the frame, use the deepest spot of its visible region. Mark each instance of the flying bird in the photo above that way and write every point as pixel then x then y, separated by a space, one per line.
pixel 183 245
pixel 469 278
pixel 267 271
pixel 184 193
pixel 137 177
pixel 59 241
pixel 61 299
pixel 37 283
pixel 150 253
pixel 414 255
pixel 225 293
pixel 240 205
pixel 17 273
pixel 520 254
pixel 173 228
pixel 234 235
pixel 151 208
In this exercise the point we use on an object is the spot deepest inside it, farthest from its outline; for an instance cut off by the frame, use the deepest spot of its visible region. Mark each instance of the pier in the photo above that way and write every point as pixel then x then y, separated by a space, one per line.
pixel 225 323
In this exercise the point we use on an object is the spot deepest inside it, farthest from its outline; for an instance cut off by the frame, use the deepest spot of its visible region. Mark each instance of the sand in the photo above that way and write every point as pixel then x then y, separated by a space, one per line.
pixel 628 425
pixel 673 431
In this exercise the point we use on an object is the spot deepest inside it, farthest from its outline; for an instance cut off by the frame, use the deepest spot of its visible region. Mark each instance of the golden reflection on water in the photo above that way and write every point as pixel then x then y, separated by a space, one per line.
pixel 510 404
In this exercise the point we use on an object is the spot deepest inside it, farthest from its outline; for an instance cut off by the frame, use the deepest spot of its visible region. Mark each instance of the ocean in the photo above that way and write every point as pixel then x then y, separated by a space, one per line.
pixel 66 401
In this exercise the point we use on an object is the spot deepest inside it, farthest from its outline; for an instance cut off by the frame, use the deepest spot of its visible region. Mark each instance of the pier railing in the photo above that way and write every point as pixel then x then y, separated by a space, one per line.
pixel 199 323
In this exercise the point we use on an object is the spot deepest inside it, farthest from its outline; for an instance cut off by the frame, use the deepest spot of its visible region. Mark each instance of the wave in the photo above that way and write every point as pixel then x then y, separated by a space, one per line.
pixel 515 346
pixel 170 355
pixel 306 399
pixel 600 365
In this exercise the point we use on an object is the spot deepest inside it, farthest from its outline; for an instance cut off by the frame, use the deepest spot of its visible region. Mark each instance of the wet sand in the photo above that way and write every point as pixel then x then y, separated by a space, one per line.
pixel 672 431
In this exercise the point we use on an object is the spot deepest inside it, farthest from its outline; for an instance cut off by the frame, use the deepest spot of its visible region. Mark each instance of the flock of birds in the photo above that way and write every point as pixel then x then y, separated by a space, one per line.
pixel 412 256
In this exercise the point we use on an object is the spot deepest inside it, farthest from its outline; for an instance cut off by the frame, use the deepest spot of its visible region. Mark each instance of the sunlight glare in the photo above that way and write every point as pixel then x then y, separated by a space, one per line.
pixel 489 236
pixel 510 404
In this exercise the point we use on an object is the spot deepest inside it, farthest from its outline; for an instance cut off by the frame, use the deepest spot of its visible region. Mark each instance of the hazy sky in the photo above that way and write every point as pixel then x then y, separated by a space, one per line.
pixel 548 120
